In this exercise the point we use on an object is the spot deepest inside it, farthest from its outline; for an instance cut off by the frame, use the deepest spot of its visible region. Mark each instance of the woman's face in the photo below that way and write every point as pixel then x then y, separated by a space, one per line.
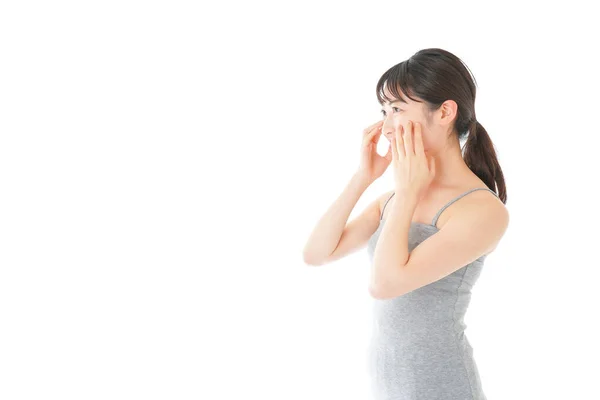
pixel 399 112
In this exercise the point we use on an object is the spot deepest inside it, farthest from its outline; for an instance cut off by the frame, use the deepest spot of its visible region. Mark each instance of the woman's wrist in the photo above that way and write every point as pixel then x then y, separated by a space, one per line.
pixel 361 178
pixel 408 194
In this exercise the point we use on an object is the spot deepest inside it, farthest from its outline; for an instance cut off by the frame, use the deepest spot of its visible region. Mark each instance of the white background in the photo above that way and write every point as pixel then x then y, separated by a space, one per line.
pixel 163 163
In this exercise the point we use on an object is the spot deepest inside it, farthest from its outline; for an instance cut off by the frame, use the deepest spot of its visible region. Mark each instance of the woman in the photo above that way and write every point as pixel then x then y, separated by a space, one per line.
pixel 428 238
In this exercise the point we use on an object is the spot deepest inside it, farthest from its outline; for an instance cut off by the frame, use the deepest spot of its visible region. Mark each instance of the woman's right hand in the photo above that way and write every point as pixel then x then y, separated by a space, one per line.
pixel 372 165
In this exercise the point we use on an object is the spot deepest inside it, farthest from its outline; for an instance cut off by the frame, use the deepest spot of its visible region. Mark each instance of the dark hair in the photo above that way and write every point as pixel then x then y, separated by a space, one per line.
pixel 435 75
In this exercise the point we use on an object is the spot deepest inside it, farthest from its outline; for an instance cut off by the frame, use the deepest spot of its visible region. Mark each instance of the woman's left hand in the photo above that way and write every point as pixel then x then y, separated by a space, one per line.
pixel 413 170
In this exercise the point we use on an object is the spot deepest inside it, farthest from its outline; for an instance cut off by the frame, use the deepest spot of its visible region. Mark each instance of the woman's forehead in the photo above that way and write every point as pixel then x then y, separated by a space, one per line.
pixel 393 97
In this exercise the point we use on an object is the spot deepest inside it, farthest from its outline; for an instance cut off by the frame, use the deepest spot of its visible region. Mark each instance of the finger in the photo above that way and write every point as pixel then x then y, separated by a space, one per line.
pixel 418 136
pixel 408 139
pixel 377 134
pixel 369 129
pixel 389 154
pixel 399 142
pixel 372 136
pixel 432 166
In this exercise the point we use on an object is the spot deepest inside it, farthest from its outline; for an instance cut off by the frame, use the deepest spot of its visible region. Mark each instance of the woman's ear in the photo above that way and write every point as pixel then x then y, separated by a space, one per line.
pixel 449 110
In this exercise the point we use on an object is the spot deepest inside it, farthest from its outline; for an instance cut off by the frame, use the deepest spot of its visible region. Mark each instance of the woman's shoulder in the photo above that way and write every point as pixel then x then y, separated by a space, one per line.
pixel 456 198
pixel 477 200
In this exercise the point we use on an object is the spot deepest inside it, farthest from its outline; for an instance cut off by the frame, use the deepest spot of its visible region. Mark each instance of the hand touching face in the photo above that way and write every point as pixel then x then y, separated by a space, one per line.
pixel 413 169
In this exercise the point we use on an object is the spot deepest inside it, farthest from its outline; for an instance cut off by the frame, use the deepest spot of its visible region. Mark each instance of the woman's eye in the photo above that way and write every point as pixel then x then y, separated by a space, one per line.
pixel 393 108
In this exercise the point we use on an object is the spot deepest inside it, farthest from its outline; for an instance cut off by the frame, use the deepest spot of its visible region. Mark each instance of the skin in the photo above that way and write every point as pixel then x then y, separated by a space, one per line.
pixel 413 169
pixel 335 237
pixel 439 141
pixel 425 155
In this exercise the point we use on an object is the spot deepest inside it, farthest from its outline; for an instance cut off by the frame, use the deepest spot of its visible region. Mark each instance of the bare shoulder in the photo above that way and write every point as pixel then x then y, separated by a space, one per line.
pixel 485 209
pixel 490 202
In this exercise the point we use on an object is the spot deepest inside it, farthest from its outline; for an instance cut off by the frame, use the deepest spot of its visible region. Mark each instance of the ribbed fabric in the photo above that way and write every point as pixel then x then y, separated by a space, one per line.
pixel 419 350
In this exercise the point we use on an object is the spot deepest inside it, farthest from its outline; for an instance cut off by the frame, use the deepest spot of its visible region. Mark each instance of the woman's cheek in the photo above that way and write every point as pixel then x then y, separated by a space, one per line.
pixel 425 139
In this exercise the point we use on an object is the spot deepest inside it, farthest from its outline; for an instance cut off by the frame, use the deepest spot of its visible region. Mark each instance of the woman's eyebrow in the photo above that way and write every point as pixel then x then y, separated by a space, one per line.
pixel 396 101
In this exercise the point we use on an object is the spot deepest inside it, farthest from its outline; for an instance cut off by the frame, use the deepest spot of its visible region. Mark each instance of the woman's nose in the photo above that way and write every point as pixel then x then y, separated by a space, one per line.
pixel 387 132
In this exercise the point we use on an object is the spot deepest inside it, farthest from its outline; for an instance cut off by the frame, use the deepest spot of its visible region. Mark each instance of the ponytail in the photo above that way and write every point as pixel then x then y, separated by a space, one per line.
pixel 480 157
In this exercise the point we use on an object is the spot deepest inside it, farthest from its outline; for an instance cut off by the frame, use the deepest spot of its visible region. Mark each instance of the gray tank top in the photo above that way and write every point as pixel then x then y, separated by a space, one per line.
pixel 419 349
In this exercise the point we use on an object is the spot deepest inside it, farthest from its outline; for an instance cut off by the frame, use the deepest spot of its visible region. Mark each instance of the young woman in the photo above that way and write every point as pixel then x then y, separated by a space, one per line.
pixel 428 238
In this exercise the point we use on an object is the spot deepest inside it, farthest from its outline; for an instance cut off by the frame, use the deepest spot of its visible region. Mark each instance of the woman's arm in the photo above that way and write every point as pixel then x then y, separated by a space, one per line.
pixel 472 231
pixel 332 238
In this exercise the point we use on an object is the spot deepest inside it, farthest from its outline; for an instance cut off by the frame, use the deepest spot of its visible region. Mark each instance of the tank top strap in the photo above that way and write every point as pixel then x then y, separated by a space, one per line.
pixel 383 209
pixel 437 215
